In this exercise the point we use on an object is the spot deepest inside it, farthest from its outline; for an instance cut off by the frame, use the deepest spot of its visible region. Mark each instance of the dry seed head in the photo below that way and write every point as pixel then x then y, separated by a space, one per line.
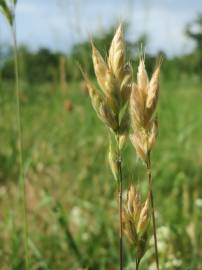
pixel 142 78
pixel 112 94
pixel 144 218
pixel 114 78
pixel 126 84
pixel 117 53
pixel 153 89
pixel 136 218
pixel 124 123
pixel 136 107
pixel 139 141
pixel 143 101
pixel 144 96
pixel 129 228
pixel 101 108
pixel 107 116
pixel 106 80
pixel 100 68
pixel 134 203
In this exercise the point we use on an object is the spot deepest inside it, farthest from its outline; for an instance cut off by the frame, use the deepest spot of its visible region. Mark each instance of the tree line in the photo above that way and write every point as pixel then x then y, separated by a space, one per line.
pixel 45 65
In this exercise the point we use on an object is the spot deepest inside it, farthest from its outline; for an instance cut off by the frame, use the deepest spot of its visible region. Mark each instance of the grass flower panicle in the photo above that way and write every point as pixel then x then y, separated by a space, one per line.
pixel 110 102
pixel 143 102
pixel 136 219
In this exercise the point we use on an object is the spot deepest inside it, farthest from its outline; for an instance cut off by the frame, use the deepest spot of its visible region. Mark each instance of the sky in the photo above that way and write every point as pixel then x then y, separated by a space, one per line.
pixel 59 24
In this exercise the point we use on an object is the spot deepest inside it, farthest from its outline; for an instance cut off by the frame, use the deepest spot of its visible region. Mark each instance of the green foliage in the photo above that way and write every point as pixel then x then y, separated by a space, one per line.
pixel 196 35
pixel 64 152
pixel 6 10
pixel 194 31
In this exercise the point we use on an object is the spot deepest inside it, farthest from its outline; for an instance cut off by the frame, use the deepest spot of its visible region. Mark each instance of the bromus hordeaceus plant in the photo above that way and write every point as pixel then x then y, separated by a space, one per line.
pixel 143 102
pixel 136 218
pixel 114 78
pixel 8 9
pixel 111 105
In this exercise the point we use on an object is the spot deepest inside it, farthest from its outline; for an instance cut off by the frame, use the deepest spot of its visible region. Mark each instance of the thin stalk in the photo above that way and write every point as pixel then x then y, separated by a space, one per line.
pixel 120 192
pixel 20 148
pixel 137 264
pixel 152 209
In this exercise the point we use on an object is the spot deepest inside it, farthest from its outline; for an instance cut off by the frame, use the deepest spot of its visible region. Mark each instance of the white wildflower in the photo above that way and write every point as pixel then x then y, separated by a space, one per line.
pixel 198 202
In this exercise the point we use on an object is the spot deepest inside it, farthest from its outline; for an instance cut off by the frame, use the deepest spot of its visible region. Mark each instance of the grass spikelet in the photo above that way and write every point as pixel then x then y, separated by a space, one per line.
pixel 139 141
pixel 100 68
pixel 136 219
pixel 143 104
pixel 153 89
pixel 144 218
pixel 114 78
pixel 103 111
pixel 142 78
pixel 116 57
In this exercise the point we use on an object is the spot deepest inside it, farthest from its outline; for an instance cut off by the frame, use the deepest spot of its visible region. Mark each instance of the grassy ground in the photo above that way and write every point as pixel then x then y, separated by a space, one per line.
pixel 70 190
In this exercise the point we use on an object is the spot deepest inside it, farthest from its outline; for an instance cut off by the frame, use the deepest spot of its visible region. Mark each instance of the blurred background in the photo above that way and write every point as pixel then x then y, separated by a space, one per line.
pixel 71 194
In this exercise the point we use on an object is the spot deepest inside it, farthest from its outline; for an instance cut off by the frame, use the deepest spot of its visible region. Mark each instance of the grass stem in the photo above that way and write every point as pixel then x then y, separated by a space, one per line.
pixel 152 209
pixel 137 262
pixel 22 185
pixel 120 191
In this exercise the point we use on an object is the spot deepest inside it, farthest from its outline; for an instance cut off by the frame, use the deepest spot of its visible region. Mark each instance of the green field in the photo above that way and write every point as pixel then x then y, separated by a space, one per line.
pixel 70 189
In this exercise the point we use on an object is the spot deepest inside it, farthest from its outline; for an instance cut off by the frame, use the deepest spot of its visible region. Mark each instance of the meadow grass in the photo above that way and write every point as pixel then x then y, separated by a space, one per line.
pixel 64 152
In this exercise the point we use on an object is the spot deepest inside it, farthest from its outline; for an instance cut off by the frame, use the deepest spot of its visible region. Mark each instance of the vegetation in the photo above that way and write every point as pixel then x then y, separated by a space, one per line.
pixel 61 169
pixel 71 196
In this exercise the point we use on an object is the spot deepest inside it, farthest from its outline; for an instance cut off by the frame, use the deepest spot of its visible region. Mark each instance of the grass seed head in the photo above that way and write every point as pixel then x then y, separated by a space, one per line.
pixel 142 77
pixel 153 89
pixel 126 84
pixel 114 78
pixel 143 102
pixel 139 141
pixel 134 203
pixel 116 59
pixel 144 218
pixel 100 68
pixel 136 218
pixel 103 111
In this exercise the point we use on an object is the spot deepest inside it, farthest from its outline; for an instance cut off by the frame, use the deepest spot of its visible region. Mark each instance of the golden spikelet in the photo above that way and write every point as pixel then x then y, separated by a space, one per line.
pixel 103 111
pixel 126 85
pixel 143 102
pixel 144 219
pixel 134 203
pixel 116 57
pixel 142 78
pixel 100 68
pixel 153 89
pixel 136 219
pixel 139 141
pixel 114 79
